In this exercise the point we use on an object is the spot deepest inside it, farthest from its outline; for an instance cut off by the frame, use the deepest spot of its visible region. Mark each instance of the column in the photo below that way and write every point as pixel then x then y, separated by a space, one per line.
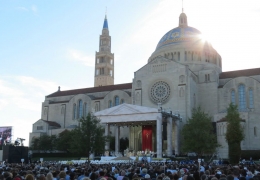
pixel 159 135
pixel 176 133
pixel 117 135
pixel 107 130
pixel 169 136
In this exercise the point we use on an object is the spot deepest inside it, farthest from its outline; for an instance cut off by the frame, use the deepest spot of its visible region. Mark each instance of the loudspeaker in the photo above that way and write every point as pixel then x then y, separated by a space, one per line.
pixel 14 154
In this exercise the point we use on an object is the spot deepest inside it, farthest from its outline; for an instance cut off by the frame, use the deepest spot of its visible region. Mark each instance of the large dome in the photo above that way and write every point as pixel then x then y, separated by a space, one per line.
pixel 186 45
pixel 179 35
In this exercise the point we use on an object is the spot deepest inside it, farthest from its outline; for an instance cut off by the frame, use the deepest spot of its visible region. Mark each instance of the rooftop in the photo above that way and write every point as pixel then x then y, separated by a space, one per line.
pixel 91 90
pixel 239 73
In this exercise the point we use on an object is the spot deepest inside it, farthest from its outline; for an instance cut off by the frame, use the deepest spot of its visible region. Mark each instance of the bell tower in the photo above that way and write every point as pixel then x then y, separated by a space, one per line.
pixel 104 61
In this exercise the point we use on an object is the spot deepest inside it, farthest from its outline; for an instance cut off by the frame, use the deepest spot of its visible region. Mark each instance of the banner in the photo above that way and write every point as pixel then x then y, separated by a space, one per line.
pixel 5 135
pixel 147 132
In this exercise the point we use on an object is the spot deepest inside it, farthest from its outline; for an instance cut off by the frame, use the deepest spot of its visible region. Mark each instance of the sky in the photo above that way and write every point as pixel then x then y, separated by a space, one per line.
pixel 46 44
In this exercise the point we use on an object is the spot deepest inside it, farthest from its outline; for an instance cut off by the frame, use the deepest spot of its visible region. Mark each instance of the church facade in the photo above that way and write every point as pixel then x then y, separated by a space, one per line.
pixel 184 72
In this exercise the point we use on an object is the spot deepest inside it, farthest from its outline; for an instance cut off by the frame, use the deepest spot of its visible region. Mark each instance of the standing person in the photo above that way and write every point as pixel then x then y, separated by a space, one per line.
pixel 67 175
pixel 122 175
pixel 62 175
pixel 130 175
pixel 49 176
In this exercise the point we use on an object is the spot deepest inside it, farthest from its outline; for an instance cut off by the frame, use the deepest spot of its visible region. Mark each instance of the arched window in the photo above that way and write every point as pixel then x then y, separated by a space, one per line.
pixel 242 97
pixel 122 101
pixel 74 111
pixel 233 97
pixel 85 109
pixel 109 104
pixel 96 107
pixel 251 98
pixel 255 131
pixel 80 109
pixel 116 101
pixel 185 56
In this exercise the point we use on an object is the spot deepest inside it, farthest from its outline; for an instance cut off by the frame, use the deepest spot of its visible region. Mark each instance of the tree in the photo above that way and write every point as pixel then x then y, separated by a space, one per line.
pixel 35 143
pixel 89 136
pixel 234 134
pixel 63 141
pixel 46 142
pixel 198 134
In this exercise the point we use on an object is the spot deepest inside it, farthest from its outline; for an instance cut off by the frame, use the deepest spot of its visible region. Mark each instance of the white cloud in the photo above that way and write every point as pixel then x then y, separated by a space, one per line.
pixel 6 89
pixel 34 8
pixel 81 57
pixel 20 101
pixel 3 103
pixel 21 8
pixel 37 84
pixel 26 103
pixel 24 92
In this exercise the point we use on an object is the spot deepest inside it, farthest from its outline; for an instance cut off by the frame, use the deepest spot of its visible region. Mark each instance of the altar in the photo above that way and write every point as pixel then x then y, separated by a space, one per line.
pixel 110 158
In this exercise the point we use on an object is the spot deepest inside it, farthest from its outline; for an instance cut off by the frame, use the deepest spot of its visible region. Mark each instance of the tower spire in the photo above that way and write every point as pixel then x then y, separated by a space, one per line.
pixel 104 61
pixel 105 25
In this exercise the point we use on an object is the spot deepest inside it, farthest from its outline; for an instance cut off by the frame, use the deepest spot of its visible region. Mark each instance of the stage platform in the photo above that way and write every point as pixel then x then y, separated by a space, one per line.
pixel 109 158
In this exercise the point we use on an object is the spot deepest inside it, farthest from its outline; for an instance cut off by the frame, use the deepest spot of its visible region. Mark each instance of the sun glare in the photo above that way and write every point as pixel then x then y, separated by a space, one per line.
pixel 203 37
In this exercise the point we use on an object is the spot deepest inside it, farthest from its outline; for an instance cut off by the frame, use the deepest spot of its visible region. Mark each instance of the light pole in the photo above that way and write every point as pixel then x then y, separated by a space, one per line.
pixel 41 159
pixel 199 161
pixel 22 160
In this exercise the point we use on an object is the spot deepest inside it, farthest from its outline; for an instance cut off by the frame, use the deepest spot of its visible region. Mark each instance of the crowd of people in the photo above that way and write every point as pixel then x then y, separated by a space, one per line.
pixel 129 171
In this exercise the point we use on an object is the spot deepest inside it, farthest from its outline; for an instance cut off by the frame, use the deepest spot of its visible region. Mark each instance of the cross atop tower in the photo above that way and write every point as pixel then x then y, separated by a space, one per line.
pixel 182 6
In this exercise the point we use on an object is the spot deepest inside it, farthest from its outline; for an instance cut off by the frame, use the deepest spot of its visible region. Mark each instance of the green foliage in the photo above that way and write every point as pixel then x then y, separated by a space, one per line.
pixel 44 143
pixel 89 136
pixel 198 134
pixel 234 129
pixel 234 152
pixel 64 140
pixel 234 134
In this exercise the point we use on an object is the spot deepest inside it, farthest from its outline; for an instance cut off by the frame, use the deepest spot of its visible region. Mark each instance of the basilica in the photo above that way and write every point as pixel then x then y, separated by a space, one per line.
pixel 184 72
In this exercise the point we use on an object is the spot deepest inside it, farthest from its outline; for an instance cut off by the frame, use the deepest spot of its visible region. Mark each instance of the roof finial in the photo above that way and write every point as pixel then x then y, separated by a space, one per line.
pixel 182 5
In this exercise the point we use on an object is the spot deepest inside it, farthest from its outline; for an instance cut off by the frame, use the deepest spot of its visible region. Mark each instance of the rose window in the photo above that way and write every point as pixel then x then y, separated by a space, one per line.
pixel 160 92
